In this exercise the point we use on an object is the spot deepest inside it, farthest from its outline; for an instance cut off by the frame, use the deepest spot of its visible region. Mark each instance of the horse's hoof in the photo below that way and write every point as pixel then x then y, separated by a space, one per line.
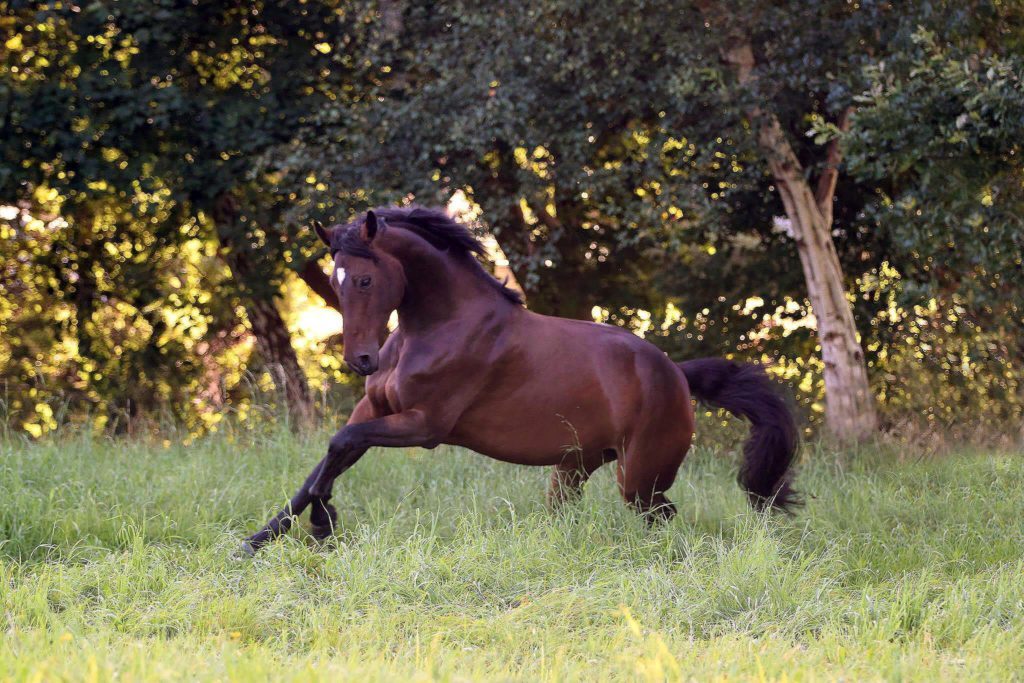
pixel 321 532
pixel 246 550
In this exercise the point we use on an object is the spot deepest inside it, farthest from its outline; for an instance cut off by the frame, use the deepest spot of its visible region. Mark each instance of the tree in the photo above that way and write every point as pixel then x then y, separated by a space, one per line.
pixel 576 134
pixel 850 409
pixel 565 176
pixel 113 100
pixel 586 129
pixel 662 165
pixel 940 124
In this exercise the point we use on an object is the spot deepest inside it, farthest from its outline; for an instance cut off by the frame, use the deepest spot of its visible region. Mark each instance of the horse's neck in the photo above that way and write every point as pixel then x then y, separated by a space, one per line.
pixel 439 289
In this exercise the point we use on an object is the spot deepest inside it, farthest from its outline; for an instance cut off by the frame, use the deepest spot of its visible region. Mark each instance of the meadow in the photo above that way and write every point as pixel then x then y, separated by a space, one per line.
pixel 117 559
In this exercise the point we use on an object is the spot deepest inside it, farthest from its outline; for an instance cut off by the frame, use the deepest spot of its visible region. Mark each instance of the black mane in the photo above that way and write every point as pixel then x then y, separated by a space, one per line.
pixel 434 226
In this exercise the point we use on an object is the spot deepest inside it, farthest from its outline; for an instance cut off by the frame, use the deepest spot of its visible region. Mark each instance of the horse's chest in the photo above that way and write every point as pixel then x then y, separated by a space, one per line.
pixel 384 393
pixel 415 376
pixel 392 393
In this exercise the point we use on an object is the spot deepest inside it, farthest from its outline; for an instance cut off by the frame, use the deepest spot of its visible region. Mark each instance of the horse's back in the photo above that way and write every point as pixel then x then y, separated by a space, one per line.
pixel 616 354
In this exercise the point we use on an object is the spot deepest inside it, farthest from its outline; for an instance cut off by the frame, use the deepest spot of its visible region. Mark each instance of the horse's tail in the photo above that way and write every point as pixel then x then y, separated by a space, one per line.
pixel 745 389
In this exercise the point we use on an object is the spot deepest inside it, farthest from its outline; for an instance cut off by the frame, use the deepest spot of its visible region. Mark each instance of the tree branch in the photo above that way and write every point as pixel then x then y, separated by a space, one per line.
pixel 830 175
pixel 734 47
pixel 737 53
pixel 313 275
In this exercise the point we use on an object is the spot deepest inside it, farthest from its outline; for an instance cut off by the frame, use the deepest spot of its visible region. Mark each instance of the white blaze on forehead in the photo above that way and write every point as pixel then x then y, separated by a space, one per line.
pixel 340 274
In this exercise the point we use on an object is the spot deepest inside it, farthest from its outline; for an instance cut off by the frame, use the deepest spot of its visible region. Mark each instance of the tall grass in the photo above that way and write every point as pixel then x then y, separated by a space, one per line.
pixel 116 559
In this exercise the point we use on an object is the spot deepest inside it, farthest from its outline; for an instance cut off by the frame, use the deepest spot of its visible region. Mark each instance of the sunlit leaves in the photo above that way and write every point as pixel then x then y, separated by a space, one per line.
pixel 129 120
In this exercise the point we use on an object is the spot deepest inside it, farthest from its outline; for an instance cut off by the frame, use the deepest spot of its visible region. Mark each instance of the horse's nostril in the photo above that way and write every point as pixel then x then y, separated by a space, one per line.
pixel 364 360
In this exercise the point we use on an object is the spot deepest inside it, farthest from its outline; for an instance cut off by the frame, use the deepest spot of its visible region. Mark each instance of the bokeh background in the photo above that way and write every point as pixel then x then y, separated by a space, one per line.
pixel 159 161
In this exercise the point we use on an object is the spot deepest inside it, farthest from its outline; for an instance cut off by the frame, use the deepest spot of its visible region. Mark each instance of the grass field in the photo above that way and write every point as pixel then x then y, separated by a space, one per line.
pixel 116 559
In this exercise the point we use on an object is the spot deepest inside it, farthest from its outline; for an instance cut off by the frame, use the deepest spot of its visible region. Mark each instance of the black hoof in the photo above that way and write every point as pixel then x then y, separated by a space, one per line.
pixel 321 532
pixel 246 550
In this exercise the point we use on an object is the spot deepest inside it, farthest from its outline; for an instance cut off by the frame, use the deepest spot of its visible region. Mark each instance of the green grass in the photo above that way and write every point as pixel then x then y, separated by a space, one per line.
pixel 116 559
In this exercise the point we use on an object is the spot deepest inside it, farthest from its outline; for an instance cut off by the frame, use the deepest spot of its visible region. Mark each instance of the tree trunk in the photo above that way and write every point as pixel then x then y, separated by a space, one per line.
pixel 849 405
pixel 275 345
pixel 268 327
pixel 83 243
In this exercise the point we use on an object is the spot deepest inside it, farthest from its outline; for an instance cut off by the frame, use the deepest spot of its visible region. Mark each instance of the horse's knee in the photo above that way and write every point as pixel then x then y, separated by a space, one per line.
pixel 345 448
pixel 341 446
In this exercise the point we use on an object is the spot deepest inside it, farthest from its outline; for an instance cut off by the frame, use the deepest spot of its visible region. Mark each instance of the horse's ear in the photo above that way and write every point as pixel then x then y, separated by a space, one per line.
pixel 371 226
pixel 323 233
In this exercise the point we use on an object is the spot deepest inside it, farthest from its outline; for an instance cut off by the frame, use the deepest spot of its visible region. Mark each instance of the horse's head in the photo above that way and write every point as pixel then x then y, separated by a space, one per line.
pixel 369 284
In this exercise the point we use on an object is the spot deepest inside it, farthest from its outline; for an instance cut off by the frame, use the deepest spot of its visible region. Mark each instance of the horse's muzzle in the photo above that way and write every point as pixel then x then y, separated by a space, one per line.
pixel 363 365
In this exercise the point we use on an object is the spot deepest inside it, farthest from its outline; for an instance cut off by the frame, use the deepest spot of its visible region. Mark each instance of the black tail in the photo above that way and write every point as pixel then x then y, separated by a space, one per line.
pixel 746 390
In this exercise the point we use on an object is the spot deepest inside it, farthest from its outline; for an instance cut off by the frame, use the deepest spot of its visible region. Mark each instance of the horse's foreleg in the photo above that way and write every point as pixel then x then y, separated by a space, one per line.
pixel 282 521
pixel 323 517
pixel 322 513
pixel 408 428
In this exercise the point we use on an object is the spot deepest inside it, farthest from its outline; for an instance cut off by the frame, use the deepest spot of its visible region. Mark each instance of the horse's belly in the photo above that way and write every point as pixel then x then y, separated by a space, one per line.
pixel 539 430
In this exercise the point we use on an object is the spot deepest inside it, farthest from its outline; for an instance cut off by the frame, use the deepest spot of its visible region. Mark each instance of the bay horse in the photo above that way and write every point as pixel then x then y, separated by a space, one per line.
pixel 469 365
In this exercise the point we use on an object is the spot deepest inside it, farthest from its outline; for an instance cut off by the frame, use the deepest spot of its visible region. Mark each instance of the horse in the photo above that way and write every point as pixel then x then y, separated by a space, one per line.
pixel 469 365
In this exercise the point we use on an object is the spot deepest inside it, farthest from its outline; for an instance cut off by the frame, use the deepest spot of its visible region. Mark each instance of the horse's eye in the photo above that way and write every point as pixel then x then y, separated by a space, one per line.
pixel 363 282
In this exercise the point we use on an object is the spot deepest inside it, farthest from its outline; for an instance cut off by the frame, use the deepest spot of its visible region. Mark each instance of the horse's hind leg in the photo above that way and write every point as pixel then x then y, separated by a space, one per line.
pixel 648 468
pixel 569 476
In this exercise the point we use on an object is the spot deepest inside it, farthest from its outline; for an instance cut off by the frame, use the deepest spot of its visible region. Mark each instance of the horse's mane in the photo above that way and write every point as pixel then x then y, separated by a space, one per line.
pixel 433 225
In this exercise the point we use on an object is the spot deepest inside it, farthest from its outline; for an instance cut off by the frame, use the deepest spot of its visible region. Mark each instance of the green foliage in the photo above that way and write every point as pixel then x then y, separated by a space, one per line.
pixel 136 99
pixel 92 333
pixel 449 566
pixel 144 127
pixel 561 157
pixel 941 126
pixel 160 159
pixel 585 131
